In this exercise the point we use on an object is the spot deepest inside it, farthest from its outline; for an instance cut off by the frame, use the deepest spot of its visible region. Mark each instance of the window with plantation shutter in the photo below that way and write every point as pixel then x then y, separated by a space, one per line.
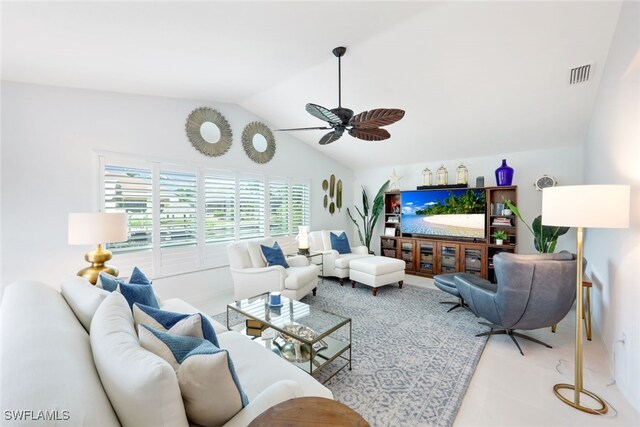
pixel 250 208
pixel 278 208
pixel 220 200
pixel 300 206
pixel 178 214
pixel 130 190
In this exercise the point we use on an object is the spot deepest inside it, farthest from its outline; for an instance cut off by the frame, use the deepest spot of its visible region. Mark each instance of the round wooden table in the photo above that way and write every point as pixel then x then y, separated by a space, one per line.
pixel 309 411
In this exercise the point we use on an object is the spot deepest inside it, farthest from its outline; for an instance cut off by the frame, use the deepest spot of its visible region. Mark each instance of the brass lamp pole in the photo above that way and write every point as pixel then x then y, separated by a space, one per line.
pixel 584 206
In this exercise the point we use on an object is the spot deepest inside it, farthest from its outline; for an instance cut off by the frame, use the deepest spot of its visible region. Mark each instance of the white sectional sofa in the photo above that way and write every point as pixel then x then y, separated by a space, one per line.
pixel 48 368
pixel 334 263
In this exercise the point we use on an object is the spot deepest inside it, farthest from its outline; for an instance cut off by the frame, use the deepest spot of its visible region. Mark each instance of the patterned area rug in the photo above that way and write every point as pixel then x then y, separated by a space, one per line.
pixel 412 361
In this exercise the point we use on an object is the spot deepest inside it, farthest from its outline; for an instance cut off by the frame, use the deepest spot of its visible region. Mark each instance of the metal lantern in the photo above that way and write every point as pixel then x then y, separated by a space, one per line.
pixel 462 175
pixel 427 177
pixel 442 176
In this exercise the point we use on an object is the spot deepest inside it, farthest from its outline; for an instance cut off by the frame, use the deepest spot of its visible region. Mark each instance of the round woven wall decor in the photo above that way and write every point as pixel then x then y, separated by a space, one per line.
pixel 196 119
pixel 251 130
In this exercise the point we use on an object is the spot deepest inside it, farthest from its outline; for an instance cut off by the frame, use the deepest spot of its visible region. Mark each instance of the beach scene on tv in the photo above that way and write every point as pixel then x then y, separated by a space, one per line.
pixel 454 213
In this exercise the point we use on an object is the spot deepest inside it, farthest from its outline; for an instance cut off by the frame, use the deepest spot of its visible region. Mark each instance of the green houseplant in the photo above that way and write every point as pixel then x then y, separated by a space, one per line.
pixel 545 237
pixel 369 215
pixel 500 237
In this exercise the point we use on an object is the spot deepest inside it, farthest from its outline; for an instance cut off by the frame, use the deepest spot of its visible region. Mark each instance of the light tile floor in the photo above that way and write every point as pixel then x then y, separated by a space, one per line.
pixel 508 389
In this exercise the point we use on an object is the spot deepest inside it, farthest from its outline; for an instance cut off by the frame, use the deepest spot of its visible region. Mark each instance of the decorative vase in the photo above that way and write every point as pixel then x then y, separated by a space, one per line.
pixel 504 174
pixel 499 242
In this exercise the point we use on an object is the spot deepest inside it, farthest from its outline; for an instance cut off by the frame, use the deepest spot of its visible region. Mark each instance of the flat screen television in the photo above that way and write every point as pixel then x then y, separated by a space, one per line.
pixel 458 213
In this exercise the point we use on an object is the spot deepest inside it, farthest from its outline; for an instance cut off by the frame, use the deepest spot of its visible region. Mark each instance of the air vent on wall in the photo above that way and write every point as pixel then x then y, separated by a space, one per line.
pixel 579 74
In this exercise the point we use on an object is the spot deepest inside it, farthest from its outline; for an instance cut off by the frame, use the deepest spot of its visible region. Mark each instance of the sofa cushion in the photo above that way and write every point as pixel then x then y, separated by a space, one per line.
pixel 179 306
pixel 297 277
pixel 83 298
pixel 209 385
pixel 138 277
pixel 340 243
pixel 274 255
pixel 256 377
pixel 142 294
pixel 46 360
pixel 190 325
pixel 344 260
pixel 142 387
pixel 108 282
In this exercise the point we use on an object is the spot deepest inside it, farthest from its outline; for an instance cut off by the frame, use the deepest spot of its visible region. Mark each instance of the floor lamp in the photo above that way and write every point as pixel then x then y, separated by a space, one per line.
pixel 584 206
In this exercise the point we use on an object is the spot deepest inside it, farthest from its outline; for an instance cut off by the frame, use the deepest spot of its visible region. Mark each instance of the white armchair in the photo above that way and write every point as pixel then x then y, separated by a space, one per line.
pixel 251 276
pixel 334 263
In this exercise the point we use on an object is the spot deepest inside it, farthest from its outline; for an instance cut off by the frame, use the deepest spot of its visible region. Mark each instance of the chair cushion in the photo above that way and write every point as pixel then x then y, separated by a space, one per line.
pixel 377 265
pixel 189 325
pixel 297 277
pixel 208 382
pixel 142 387
pixel 344 260
pixel 340 243
pixel 255 252
pixel 274 255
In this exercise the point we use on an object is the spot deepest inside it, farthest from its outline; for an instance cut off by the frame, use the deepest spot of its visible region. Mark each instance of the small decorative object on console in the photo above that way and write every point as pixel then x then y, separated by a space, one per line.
pixel 427 177
pixel 442 176
pixel 462 174
pixel 504 174
pixel 480 181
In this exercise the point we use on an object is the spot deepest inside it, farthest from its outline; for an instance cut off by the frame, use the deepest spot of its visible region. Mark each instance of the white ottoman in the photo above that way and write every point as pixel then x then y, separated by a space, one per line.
pixel 376 271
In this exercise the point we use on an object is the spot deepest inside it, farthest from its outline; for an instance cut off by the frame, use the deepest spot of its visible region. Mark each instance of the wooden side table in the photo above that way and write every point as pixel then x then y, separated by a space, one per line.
pixel 586 313
pixel 309 411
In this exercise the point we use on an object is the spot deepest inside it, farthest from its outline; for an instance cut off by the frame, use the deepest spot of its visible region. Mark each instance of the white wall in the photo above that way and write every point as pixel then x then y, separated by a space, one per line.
pixel 564 164
pixel 50 168
pixel 612 156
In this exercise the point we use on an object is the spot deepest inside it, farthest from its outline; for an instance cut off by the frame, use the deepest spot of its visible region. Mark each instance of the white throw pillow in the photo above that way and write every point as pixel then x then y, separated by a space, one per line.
pixel 141 386
pixel 189 325
pixel 210 387
pixel 83 298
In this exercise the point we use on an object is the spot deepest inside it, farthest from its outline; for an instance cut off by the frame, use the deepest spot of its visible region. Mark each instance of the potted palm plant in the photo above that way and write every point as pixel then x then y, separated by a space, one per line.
pixel 545 237
pixel 369 215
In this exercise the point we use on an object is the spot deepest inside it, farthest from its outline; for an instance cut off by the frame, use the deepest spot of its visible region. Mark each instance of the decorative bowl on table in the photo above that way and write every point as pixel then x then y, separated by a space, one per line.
pixel 294 350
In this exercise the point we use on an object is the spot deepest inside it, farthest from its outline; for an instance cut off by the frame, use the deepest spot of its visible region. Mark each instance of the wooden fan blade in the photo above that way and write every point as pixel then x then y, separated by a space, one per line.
pixel 331 137
pixel 367 134
pixel 313 128
pixel 322 113
pixel 377 118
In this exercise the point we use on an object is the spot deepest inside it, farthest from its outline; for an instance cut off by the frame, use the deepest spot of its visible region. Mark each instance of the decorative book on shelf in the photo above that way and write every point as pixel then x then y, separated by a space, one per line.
pixel 502 221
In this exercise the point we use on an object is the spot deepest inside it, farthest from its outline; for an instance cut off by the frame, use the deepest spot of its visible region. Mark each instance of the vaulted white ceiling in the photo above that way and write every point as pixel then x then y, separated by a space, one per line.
pixel 475 78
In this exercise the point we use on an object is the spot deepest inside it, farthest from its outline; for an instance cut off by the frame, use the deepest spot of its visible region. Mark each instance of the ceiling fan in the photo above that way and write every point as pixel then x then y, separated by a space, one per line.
pixel 365 125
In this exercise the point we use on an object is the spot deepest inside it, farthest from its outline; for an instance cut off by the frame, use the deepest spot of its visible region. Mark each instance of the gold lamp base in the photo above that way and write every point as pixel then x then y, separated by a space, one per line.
pixel 97 258
pixel 600 411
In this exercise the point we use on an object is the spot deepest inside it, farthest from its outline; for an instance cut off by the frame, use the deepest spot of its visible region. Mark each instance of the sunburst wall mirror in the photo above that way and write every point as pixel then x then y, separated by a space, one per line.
pixel 208 131
pixel 258 142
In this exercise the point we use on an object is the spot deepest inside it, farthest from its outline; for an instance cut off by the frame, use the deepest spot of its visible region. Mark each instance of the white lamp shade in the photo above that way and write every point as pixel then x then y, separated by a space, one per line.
pixel 587 206
pixel 303 237
pixel 98 227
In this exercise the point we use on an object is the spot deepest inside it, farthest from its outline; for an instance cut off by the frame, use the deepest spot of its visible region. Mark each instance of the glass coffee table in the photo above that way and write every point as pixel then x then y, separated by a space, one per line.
pixel 308 337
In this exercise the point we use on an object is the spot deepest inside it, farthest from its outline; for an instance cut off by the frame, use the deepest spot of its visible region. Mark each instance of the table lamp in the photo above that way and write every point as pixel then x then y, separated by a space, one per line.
pixel 584 206
pixel 303 239
pixel 97 228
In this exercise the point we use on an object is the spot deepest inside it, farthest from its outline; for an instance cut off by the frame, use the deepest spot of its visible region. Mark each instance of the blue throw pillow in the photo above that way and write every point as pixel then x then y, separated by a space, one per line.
pixel 193 325
pixel 108 282
pixel 142 294
pixel 208 382
pixel 138 277
pixel 274 255
pixel 340 243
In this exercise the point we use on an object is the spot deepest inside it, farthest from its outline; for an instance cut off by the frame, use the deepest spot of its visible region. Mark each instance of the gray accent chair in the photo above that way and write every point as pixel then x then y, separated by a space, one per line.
pixel 533 292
